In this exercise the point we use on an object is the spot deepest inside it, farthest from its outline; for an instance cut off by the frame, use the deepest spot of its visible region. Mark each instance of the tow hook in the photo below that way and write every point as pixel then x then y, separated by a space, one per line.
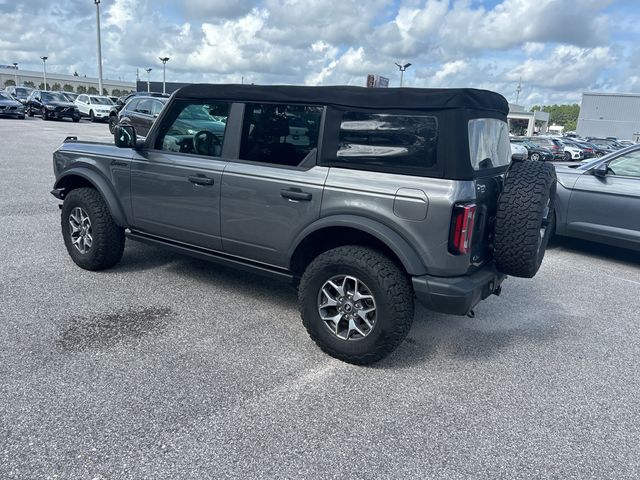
pixel 498 291
pixel 471 314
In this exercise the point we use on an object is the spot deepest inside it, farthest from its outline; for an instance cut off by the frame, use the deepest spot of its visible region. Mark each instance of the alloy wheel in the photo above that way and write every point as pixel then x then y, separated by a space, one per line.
pixel 347 307
pixel 81 233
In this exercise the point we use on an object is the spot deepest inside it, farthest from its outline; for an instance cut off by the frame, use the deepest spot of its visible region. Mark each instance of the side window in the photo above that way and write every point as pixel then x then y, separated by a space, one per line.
pixel 132 105
pixel 196 127
pixel 156 107
pixel 144 107
pixel 391 142
pixel 279 134
pixel 628 165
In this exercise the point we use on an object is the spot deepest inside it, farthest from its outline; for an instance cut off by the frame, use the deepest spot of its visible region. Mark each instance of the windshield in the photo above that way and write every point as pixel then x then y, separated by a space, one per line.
pixel 53 97
pixel 101 101
pixel 6 96
pixel 22 92
pixel 489 145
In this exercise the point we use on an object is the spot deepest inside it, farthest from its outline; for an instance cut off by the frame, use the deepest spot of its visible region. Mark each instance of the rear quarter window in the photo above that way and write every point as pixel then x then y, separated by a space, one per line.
pixel 489 145
pixel 388 142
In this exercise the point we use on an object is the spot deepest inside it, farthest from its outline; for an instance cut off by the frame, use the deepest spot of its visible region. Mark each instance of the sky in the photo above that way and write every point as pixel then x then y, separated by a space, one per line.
pixel 556 48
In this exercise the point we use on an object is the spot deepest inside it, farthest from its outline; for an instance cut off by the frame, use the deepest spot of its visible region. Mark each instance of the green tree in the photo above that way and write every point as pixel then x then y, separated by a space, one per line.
pixel 81 89
pixel 105 91
pixel 116 92
pixel 565 115
pixel 56 87
pixel 9 82
pixel 42 87
pixel 92 90
pixel 67 88
pixel 29 84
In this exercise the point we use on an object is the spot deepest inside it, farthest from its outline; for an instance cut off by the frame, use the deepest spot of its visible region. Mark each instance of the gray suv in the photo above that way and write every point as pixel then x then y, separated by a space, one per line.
pixel 365 199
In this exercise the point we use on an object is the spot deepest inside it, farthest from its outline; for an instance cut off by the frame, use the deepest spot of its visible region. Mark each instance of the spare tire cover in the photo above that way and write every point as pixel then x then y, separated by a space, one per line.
pixel 523 217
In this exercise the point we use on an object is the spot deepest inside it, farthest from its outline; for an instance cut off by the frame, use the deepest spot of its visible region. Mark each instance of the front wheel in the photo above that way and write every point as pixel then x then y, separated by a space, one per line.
pixel 92 238
pixel 113 121
pixel 356 304
pixel 92 117
pixel 535 157
pixel 567 156
pixel 44 114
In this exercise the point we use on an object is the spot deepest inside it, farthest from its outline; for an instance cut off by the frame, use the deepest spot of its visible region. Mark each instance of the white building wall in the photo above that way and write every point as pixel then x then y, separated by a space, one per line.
pixel 609 115
pixel 52 77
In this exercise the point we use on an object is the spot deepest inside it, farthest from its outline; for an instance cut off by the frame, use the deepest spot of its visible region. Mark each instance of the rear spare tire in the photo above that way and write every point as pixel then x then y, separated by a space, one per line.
pixel 525 210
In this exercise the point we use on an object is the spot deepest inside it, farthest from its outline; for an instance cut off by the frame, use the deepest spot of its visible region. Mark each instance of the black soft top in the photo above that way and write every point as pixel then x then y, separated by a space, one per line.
pixel 354 97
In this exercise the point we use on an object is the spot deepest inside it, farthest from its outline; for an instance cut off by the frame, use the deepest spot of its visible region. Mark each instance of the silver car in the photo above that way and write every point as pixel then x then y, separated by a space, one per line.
pixel 600 200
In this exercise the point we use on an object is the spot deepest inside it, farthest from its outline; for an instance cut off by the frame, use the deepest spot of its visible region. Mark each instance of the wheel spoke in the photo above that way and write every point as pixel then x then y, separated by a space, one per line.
pixel 330 300
pixel 339 289
pixel 363 315
pixel 353 326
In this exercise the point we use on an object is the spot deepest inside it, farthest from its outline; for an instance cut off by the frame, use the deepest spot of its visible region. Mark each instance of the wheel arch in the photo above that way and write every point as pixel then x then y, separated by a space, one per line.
pixel 335 231
pixel 84 177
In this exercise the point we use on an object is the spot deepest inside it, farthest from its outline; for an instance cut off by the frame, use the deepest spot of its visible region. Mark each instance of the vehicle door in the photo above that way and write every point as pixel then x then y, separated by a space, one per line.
pixel 128 111
pixel 35 104
pixel 176 178
pixel 274 189
pixel 80 103
pixel 608 206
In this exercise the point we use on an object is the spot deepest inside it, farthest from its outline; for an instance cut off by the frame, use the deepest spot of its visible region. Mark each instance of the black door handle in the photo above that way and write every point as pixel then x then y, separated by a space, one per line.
pixel 295 194
pixel 201 180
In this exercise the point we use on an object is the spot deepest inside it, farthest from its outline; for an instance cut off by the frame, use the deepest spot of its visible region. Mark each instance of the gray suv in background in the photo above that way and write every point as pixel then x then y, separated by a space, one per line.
pixel 363 198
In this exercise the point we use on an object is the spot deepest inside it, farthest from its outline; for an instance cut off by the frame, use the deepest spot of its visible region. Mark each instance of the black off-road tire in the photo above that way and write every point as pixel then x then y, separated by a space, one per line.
pixel 389 285
pixel 525 211
pixel 108 238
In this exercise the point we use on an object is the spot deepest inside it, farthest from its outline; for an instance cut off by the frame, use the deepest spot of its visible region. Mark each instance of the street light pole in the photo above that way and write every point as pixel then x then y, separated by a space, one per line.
pixel 15 65
pixel 164 61
pixel 402 69
pixel 44 70
pixel 97 2
pixel 148 70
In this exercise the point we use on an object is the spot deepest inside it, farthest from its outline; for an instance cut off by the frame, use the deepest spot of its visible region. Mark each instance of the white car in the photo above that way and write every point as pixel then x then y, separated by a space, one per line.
pixel 96 107
pixel 572 152
pixel 518 152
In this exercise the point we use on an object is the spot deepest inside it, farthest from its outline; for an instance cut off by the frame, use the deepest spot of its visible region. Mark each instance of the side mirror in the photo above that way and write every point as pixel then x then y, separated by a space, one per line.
pixel 601 170
pixel 124 136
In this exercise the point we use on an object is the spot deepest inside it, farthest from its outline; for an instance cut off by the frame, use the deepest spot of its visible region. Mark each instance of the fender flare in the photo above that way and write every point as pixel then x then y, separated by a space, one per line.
pixel 393 240
pixel 103 187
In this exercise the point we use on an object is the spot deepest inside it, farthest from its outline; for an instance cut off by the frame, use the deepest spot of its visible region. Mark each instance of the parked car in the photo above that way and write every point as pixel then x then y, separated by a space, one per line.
pixel 518 152
pixel 342 215
pixel 141 113
pixel 626 143
pixel 51 105
pixel 96 107
pixel 605 142
pixel 534 152
pixel 551 144
pixel 71 96
pixel 10 107
pixel 588 151
pixel 572 152
pixel 123 100
pixel 600 200
pixel 113 99
pixel 19 93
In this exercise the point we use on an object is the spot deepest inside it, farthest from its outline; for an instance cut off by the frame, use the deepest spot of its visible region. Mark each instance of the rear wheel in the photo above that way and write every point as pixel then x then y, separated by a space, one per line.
pixel 525 212
pixel 92 238
pixel 356 304
pixel 535 156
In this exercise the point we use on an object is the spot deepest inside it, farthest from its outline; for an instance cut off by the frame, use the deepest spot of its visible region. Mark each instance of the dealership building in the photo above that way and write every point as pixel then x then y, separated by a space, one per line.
pixel 10 73
pixel 610 115
pixel 526 123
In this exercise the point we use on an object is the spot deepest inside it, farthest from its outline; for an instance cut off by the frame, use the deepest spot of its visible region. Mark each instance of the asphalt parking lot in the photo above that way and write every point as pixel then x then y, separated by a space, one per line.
pixel 169 367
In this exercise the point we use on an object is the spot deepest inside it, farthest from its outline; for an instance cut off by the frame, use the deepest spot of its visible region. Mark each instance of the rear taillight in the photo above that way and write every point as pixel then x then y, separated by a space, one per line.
pixel 461 234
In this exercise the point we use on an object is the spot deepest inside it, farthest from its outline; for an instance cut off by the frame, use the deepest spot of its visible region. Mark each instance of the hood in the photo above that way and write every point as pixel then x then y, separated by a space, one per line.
pixel 10 103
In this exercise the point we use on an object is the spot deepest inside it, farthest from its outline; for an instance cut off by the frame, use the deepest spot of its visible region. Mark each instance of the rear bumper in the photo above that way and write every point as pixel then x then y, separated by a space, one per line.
pixel 457 295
